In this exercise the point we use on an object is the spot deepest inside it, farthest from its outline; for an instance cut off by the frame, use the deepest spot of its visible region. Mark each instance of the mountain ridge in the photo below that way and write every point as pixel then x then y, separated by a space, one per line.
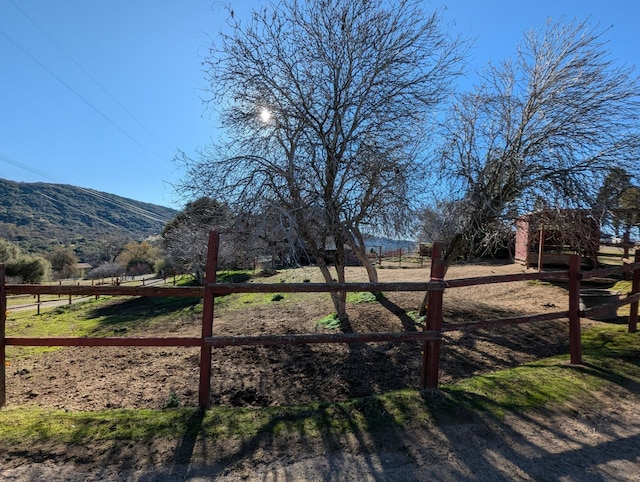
pixel 40 216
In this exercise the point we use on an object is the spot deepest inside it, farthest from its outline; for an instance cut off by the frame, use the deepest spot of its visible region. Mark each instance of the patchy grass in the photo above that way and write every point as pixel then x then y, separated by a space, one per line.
pixel 330 321
pixel 21 300
pixel 361 297
pixel 62 321
pixel 239 301
pixel 103 317
pixel 233 276
pixel 612 357
pixel 417 319
pixel 522 388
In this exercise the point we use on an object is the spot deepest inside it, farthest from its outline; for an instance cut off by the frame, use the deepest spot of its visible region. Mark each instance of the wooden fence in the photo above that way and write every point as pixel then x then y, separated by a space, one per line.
pixel 431 336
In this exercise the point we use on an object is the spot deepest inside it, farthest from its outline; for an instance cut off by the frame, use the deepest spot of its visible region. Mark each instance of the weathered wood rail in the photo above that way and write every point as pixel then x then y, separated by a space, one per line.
pixel 431 336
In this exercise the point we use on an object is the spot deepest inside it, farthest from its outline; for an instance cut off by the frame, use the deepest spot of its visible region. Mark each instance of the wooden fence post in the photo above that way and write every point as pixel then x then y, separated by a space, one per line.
pixel 575 343
pixel 431 348
pixel 635 289
pixel 3 325
pixel 204 393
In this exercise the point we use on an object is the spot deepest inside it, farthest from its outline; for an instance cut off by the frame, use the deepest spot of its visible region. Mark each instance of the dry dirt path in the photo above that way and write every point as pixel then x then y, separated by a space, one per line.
pixel 599 442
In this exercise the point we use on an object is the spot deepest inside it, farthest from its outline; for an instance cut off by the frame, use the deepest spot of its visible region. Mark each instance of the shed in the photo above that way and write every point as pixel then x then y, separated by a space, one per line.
pixel 547 237
pixel 331 252
pixel 83 269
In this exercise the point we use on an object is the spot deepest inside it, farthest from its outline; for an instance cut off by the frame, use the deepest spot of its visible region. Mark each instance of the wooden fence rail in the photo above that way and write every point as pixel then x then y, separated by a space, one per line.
pixel 431 336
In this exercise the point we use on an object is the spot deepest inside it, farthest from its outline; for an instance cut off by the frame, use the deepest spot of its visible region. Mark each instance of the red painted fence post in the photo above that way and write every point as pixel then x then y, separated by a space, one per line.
pixel 3 325
pixel 575 343
pixel 635 289
pixel 204 393
pixel 431 348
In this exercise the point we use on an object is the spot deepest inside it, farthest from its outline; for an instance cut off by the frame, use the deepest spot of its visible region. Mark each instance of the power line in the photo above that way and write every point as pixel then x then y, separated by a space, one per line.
pixel 31 169
pixel 118 203
pixel 53 200
pixel 80 96
pixel 95 81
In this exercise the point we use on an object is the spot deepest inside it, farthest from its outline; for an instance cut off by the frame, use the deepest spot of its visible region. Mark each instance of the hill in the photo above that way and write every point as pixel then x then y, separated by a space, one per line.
pixel 39 216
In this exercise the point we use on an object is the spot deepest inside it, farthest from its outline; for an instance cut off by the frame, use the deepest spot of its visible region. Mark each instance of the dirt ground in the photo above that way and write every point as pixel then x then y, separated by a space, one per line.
pixel 598 441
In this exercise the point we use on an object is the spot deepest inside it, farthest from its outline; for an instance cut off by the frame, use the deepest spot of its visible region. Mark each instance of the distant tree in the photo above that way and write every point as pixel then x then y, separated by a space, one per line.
pixel 138 258
pixel 102 249
pixel 9 251
pixel 29 269
pixel 63 262
pixel 185 236
pixel 549 125
pixel 327 105
pixel 105 270
pixel 609 196
pixel 629 210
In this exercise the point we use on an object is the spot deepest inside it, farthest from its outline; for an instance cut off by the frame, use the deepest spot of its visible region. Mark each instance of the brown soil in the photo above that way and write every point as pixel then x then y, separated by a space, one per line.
pixel 519 447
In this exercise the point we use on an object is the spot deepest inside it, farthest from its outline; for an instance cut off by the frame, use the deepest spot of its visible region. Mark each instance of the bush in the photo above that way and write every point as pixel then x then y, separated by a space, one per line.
pixel 105 270
pixel 9 251
pixel 30 270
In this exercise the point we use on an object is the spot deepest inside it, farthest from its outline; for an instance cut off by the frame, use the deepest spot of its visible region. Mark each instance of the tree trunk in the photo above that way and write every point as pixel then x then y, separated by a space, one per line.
pixel 372 272
pixel 339 298
pixel 361 253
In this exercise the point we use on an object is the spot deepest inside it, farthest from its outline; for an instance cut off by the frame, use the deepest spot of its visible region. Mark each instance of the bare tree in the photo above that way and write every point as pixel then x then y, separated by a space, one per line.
pixel 609 195
pixel 185 236
pixel 543 130
pixel 326 104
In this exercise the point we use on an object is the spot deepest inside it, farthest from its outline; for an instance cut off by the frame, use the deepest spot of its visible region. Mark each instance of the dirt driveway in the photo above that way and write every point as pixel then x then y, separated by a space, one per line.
pixel 598 442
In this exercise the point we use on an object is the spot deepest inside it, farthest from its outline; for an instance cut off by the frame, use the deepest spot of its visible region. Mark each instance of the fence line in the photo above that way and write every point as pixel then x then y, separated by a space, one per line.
pixel 431 336
pixel 3 342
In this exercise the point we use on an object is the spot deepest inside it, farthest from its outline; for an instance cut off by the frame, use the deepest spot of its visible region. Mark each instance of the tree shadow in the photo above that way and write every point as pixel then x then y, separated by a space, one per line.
pixel 408 323
pixel 185 449
pixel 130 311
pixel 389 439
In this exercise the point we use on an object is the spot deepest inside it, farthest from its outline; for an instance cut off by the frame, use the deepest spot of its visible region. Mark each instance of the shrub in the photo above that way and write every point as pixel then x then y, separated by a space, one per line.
pixel 105 270
pixel 30 270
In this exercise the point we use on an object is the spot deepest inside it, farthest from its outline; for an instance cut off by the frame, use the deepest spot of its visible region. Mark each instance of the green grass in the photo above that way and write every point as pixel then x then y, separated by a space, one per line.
pixel 65 320
pixel 330 321
pixel 611 356
pixel 239 301
pixel 32 425
pixel 19 300
pixel 103 317
pixel 417 319
pixel 233 276
pixel 361 297
pixel 522 388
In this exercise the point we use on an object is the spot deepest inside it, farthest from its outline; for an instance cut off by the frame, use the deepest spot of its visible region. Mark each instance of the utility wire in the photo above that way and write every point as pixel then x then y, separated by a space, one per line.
pixel 53 200
pixel 138 210
pixel 80 96
pixel 21 165
pixel 95 81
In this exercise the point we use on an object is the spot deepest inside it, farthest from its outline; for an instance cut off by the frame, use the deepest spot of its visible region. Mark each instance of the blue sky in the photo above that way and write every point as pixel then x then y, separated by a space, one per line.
pixel 102 94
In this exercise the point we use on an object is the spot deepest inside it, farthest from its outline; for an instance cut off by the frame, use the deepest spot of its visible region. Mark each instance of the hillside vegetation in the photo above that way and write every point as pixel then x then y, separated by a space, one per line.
pixel 39 216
